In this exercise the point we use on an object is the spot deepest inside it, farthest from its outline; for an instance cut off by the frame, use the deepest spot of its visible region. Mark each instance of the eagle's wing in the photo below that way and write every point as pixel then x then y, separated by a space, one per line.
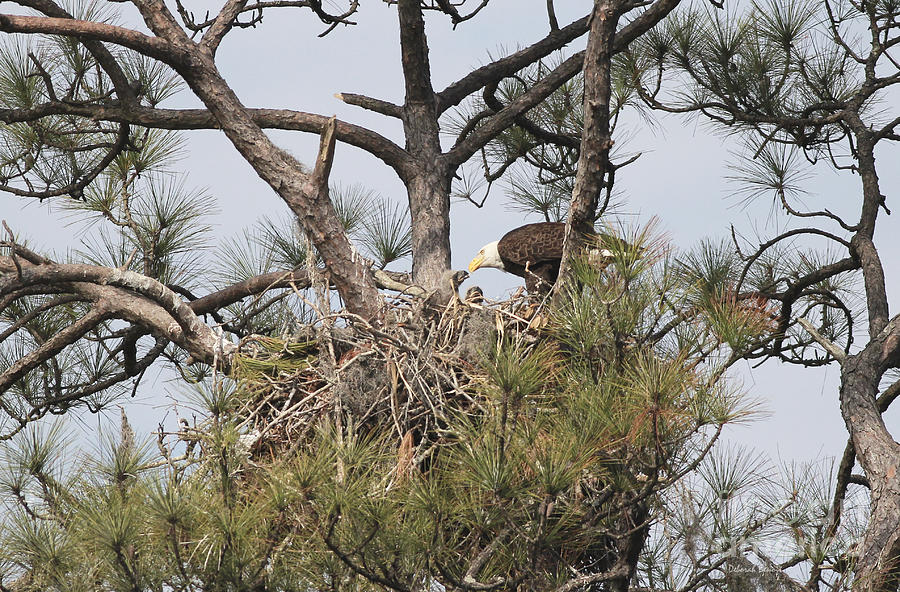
pixel 533 243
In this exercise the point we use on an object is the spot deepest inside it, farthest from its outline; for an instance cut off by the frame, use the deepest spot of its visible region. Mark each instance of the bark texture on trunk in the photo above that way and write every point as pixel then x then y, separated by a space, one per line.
pixel 630 546
pixel 596 140
pixel 429 185
pixel 877 569
pixel 878 565
pixel 429 200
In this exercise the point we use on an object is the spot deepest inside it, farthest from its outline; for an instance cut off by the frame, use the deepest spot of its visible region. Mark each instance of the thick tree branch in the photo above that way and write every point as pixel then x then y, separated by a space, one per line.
pixel 464 149
pixel 348 269
pixel 322 170
pixel 568 140
pixel 591 176
pixel 140 301
pixel 150 46
pixel 282 172
pixel 162 22
pixel 126 295
pixel 223 23
pixel 298 278
pixel 498 70
pixel 873 276
pixel 878 453
pixel 836 352
pixel 414 54
pixel 375 105
pixel 194 119
pixel 551 16
pixel 249 287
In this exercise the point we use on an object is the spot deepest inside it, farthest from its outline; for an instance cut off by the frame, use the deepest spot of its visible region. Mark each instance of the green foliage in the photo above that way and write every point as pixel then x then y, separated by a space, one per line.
pixel 352 205
pixel 382 229
pixel 537 160
pixel 388 236
pixel 380 226
pixel 79 367
pixel 531 192
pixel 762 67
pixel 570 443
pixel 61 154
pixel 568 439
pixel 777 170
pixel 158 225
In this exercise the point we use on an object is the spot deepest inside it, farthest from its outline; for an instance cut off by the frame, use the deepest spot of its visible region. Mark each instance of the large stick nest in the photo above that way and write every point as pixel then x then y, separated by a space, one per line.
pixel 408 373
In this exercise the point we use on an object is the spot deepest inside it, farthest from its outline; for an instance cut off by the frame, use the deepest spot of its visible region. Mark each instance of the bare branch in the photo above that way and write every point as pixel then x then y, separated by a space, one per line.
pixel 551 16
pixel 222 24
pixel 376 105
pixel 322 170
pixel 125 295
pixel 12 254
pixel 836 352
pixel 191 119
pixel 490 99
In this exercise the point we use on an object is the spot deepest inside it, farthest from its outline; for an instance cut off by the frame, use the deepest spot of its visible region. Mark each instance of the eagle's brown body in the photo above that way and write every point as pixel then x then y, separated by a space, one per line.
pixel 537 248
pixel 534 252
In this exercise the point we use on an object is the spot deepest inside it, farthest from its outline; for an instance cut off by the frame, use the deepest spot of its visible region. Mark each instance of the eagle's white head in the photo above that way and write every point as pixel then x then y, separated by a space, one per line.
pixel 488 256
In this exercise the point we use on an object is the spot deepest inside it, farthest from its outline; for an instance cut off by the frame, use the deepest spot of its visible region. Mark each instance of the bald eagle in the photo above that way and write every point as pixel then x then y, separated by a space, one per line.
pixel 533 251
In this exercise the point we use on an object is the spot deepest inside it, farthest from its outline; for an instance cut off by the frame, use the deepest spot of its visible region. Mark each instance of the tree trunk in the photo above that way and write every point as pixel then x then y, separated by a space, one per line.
pixel 429 205
pixel 593 160
pixel 428 185
pixel 629 547
pixel 878 568
pixel 305 195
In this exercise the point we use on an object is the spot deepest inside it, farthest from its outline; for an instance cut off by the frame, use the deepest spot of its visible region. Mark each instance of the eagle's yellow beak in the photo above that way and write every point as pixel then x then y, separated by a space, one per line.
pixel 476 262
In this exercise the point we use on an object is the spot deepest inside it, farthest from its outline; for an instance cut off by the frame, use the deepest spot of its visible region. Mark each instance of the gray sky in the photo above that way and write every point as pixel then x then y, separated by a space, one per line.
pixel 681 177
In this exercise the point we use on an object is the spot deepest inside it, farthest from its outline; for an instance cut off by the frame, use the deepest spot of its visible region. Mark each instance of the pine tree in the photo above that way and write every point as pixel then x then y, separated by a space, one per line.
pixel 348 440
